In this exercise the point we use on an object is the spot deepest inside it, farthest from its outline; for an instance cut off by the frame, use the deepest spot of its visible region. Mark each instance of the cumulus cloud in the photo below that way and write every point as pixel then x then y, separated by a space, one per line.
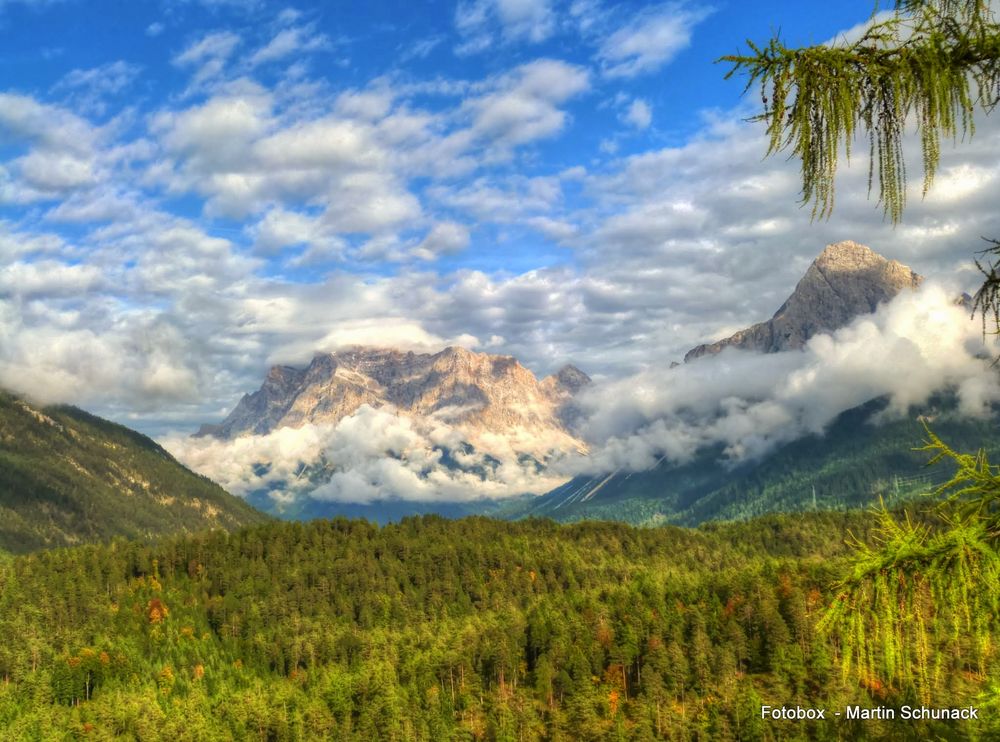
pixel 746 402
pixel 16 244
pixel 62 151
pixel 380 332
pixel 371 455
pixel 639 114
pixel 208 57
pixel 649 40
pixel 525 104
pixel 280 228
pixel 50 354
pixel 443 239
pixel 356 158
pixel 916 345
pixel 312 196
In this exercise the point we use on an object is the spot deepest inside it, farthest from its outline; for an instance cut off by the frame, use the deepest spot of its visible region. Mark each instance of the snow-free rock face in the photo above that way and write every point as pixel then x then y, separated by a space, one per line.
pixel 478 393
pixel 846 280
pixel 563 387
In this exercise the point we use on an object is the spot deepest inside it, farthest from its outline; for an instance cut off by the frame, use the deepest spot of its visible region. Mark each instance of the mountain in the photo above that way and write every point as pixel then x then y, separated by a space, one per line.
pixel 68 477
pixel 846 280
pixel 477 392
pixel 470 419
pixel 855 462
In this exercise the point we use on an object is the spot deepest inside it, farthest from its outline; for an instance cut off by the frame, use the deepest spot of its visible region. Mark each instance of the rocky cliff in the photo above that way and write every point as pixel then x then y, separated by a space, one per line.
pixel 846 280
pixel 478 393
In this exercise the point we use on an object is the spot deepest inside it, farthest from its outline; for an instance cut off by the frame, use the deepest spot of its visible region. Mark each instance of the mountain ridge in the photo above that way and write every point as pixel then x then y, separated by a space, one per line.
pixel 846 280
pixel 476 392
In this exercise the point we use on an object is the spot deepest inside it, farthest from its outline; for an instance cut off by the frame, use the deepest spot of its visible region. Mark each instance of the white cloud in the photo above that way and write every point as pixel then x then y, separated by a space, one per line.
pixel 242 151
pixel 90 89
pixel 525 105
pixel 25 119
pixel 62 151
pixel 106 79
pixel 482 22
pixel 280 228
pixel 752 402
pixel 369 202
pixel 443 239
pixel 639 114
pixel 397 332
pixel 507 200
pixel 655 252
pixel 649 40
pixel 95 205
pixel 372 454
pixel 15 244
pixel 421 48
pixel 368 105
pixel 51 354
pixel 48 278
pixel 218 45
pixel 209 56
pixel 287 42
pixel 55 171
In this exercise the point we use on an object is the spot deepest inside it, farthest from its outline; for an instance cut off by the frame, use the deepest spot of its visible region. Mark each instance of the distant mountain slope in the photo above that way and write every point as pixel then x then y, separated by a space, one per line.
pixel 846 280
pixel 68 477
pixel 854 463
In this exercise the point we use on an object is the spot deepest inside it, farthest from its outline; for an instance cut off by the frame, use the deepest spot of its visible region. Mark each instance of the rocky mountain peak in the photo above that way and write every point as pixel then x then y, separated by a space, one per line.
pixel 846 280
pixel 481 393
pixel 849 255
pixel 569 379
pixel 563 386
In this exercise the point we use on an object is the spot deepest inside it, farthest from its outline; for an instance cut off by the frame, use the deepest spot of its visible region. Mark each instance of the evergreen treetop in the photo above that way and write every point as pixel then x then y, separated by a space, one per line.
pixel 933 62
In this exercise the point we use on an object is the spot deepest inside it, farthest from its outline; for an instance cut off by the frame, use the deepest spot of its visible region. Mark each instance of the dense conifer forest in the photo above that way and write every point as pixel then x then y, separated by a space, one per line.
pixel 432 629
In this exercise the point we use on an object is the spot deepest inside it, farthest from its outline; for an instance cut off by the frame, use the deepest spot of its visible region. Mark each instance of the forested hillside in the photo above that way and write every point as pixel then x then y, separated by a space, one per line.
pixel 858 459
pixel 433 629
pixel 68 477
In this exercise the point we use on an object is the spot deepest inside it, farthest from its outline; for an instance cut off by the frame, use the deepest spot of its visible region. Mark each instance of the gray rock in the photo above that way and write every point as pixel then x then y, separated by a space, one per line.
pixel 846 280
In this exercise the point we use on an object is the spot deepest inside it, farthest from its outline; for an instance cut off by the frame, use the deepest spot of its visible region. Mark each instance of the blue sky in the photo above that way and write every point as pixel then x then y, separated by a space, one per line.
pixel 193 190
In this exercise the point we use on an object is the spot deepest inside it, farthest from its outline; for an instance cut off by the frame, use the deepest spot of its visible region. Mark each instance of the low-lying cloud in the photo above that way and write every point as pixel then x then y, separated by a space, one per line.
pixel 374 454
pixel 918 344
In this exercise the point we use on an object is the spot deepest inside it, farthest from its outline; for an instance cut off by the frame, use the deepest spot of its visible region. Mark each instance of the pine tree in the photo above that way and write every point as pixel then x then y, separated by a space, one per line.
pixel 935 60
pixel 937 63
